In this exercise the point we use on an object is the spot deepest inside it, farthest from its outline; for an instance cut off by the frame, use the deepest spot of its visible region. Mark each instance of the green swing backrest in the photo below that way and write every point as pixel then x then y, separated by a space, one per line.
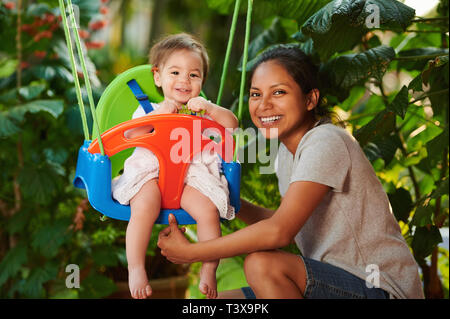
pixel 118 103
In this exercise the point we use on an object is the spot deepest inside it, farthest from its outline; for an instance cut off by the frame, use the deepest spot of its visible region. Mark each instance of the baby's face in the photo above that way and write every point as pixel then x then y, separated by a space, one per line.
pixel 181 76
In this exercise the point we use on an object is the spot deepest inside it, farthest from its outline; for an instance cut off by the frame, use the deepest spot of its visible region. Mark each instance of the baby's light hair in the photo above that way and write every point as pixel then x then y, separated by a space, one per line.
pixel 160 52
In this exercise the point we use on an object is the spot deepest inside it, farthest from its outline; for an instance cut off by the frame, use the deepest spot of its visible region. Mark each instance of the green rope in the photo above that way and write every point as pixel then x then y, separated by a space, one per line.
pixel 227 54
pixel 244 70
pixel 74 70
pixel 86 75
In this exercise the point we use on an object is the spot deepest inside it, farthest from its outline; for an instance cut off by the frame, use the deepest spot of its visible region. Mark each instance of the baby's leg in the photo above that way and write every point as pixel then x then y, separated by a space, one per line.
pixel 145 208
pixel 206 215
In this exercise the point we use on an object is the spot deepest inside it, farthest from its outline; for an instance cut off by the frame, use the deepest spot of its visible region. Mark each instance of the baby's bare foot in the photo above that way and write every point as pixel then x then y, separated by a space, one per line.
pixel 208 281
pixel 138 283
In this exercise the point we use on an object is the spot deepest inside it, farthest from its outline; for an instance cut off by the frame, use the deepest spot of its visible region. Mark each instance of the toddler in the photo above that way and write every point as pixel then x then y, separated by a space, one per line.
pixel 180 66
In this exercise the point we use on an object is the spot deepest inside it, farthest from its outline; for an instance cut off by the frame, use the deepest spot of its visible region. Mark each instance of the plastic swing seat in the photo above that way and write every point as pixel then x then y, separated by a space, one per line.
pixel 94 171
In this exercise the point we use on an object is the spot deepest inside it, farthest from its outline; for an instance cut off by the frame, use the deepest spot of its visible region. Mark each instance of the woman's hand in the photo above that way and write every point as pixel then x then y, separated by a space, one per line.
pixel 174 246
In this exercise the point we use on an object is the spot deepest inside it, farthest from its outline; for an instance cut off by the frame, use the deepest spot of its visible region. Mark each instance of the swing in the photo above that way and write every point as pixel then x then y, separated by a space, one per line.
pixel 102 159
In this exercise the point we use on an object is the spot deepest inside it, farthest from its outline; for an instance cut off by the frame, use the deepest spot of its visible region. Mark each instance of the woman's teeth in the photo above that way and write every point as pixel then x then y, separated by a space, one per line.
pixel 270 119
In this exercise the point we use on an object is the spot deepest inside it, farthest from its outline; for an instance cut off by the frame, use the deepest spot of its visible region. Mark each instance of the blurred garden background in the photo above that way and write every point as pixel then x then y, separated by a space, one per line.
pixel 387 81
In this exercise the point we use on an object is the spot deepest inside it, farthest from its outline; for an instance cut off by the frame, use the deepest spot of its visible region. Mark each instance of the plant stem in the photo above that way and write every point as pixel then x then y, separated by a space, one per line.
pixel 430 19
pixel 417 57
pixel 424 96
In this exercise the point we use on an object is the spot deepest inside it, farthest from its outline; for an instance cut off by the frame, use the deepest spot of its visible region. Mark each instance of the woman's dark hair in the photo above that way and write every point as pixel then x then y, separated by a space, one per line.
pixel 300 67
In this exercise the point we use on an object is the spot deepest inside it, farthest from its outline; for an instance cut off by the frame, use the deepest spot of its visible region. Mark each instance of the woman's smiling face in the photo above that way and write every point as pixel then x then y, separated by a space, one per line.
pixel 277 105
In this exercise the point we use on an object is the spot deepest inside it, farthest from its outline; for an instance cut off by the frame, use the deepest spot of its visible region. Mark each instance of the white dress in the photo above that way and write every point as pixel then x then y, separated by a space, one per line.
pixel 204 174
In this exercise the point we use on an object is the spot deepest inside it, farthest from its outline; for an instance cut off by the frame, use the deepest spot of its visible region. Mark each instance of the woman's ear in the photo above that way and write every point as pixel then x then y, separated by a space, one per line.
pixel 312 99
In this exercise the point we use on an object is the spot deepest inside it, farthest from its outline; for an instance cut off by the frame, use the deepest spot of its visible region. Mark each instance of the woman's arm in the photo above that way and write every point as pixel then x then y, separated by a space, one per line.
pixel 251 213
pixel 277 231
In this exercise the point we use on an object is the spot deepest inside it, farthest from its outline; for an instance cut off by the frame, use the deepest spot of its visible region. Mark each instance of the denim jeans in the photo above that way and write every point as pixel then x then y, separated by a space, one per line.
pixel 325 281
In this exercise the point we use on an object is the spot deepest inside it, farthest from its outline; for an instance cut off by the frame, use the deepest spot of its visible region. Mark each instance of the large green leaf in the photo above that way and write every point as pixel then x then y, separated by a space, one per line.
pixel 96 286
pixel 340 74
pixel 53 107
pixel 437 76
pixel 417 57
pixel 32 91
pixel 7 67
pixel 299 10
pixel 49 238
pixel 382 147
pixel 435 148
pixel 7 126
pixel 340 24
pixel 272 35
pixel 11 263
pixel 401 203
pixel 425 240
pixel 39 183
pixel 400 102
pixel 33 287
pixel 381 125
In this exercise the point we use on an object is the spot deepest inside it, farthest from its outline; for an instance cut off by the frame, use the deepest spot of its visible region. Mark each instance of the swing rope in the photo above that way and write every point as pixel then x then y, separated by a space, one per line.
pixel 75 74
pixel 227 54
pixel 74 70
pixel 244 71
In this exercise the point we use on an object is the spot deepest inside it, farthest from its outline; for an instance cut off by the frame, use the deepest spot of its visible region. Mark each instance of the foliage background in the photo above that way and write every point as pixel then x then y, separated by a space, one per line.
pixel 388 85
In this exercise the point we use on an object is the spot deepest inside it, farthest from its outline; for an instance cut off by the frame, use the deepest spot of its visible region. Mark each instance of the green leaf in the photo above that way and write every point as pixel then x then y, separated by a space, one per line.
pixel 105 255
pixel 381 125
pixel 39 183
pixel 7 127
pixel 437 76
pixel 96 286
pixel 340 24
pixel 34 284
pixel 420 57
pixel 53 107
pixel 272 35
pixel 7 67
pixel 49 238
pixel 32 91
pixel 10 265
pixel 300 10
pixel 423 216
pixel 400 102
pixel 425 240
pixel 383 147
pixel 441 190
pixel 435 148
pixel 401 203
pixel 416 83
pixel 44 72
pixel 343 72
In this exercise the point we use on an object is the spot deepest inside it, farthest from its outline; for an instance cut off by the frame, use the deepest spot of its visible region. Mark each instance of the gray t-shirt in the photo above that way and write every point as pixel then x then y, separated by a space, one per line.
pixel 353 227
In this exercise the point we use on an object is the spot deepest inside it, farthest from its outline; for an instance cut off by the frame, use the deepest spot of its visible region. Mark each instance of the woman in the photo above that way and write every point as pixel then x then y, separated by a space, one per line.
pixel 333 204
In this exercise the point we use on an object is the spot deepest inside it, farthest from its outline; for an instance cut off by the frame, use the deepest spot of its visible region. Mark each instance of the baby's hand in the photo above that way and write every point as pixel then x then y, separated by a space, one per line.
pixel 198 104
pixel 168 106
